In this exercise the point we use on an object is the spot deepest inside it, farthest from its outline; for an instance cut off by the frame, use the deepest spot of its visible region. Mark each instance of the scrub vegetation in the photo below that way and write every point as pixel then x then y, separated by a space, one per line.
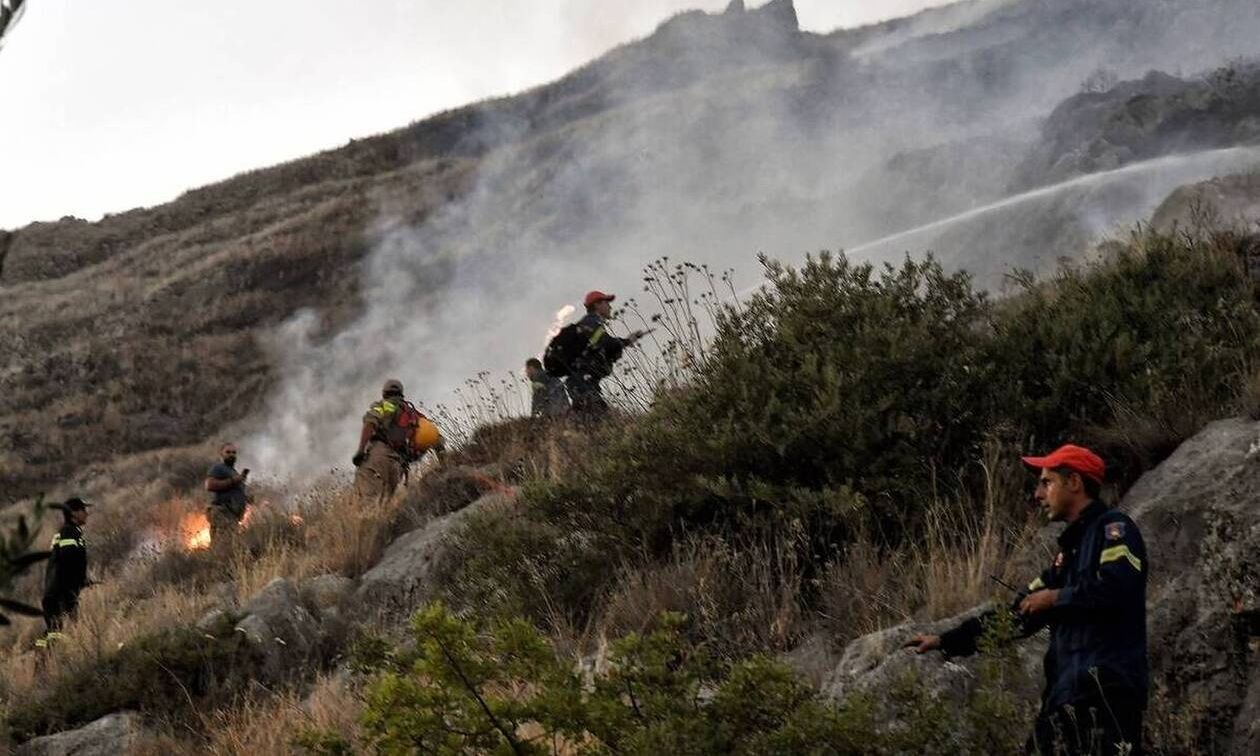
pixel 838 458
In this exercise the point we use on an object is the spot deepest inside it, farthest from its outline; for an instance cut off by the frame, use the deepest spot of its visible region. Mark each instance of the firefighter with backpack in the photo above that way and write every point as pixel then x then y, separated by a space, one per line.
pixel 394 435
pixel 583 354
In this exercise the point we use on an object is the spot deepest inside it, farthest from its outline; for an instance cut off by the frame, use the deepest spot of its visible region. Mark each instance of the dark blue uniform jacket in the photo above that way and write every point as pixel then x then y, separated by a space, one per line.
pixel 1098 624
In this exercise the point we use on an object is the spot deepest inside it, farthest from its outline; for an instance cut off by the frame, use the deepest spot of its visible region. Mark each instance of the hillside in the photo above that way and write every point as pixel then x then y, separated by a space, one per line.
pixel 803 474
pixel 592 167
pixel 771 530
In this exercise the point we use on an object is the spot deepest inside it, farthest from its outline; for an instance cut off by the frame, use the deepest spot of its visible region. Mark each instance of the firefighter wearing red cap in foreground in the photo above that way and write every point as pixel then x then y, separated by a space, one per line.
pixel 1093 599
pixel 600 349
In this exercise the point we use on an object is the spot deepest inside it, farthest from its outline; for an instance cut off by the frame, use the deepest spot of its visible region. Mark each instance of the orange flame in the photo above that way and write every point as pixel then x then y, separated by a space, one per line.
pixel 194 528
pixel 194 531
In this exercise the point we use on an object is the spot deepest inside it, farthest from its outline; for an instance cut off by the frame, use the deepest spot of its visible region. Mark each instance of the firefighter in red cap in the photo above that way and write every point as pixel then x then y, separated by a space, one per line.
pixel 1093 599
pixel 599 349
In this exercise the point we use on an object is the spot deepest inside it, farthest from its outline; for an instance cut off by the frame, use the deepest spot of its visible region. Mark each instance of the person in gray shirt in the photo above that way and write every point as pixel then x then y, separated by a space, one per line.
pixel 550 399
pixel 228 498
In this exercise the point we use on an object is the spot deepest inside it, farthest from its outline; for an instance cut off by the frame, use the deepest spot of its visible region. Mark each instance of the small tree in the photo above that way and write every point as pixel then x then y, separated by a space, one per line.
pixel 16 558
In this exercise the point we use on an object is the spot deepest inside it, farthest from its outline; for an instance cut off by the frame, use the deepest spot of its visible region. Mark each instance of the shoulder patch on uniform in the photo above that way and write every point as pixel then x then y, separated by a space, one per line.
pixel 1115 531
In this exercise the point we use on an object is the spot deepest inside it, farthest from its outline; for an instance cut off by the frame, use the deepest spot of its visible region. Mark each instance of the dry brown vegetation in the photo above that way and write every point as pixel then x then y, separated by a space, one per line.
pixel 156 344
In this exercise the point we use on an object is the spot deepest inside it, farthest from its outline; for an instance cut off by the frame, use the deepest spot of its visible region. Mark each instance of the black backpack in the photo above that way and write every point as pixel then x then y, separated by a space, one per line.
pixel 563 349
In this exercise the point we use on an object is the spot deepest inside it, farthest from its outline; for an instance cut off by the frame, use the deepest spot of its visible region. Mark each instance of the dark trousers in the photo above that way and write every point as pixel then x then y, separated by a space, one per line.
pixel 1099 725
pixel 56 608
pixel 587 397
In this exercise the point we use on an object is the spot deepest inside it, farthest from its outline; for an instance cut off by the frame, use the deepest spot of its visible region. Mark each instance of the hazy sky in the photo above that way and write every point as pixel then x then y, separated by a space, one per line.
pixel 109 106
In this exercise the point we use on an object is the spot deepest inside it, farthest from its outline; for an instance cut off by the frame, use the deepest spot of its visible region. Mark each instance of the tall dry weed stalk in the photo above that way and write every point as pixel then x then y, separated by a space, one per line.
pixel 965 546
pixel 682 305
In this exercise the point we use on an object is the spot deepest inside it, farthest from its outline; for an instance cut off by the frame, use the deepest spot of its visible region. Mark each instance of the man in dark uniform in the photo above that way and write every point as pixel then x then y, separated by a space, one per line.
pixel 600 350
pixel 549 398
pixel 1093 598
pixel 66 573
pixel 228 498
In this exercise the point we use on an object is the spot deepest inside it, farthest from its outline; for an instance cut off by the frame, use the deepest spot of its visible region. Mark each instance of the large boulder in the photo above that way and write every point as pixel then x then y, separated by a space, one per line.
pixel 113 734
pixel 328 594
pixel 1198 513
pixel 403 579
pixel 879 661
pixel 277 623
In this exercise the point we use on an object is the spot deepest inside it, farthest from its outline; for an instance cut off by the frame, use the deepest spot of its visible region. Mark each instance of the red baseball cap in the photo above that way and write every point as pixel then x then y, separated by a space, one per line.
pixel 1076 458
pixel 597 296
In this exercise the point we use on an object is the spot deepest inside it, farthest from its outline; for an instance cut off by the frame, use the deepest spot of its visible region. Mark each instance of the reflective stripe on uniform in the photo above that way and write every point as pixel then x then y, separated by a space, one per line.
pixel 384 408
pixel 596 335
pixel 1116 553
pixel 66 542
pixel 48 639
pixel 1036 585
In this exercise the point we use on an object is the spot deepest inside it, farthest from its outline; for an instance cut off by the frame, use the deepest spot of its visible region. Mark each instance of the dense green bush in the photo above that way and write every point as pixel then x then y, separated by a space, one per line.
pixel 171 674
pixel 504 690
pixel 1165 334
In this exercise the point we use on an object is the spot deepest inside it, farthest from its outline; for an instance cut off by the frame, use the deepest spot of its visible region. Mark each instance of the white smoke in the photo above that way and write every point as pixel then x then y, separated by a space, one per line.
pixel 779 150
pixel 558 322
pixel 949 18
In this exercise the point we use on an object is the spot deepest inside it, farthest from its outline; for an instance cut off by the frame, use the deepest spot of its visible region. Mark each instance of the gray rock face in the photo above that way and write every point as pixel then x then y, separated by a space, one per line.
pixel 279 625
pixel 1199 513
pixel 328 593
pixel 877 662
pixel 402 580
pixel 110 735
pixel 213 621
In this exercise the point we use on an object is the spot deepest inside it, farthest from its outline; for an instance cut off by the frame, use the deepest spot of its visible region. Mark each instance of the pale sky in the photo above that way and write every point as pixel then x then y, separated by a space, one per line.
pixel 109 106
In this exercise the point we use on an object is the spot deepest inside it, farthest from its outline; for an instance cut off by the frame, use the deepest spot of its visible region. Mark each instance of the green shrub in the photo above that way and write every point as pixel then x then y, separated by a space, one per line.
pixel 504 690
pixel 1166 333
pixel 171 674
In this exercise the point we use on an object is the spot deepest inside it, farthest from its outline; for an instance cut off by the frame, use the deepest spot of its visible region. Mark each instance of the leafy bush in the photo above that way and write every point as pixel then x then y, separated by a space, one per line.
pixel 173 674
pixel 1165 332
pixel 505 691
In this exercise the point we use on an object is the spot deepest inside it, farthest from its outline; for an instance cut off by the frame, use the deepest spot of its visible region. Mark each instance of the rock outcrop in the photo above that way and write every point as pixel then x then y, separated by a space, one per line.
pixel 878 662
pixel 110 735
pixel 1229 201
pixel 403 579
pixel 279 625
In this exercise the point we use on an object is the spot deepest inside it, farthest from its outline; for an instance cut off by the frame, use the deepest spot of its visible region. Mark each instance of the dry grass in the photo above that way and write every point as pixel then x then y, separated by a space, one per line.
pixel 175 587
pixel 742 600
pixel 269 723
pixel 108 618
pixel 951 569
